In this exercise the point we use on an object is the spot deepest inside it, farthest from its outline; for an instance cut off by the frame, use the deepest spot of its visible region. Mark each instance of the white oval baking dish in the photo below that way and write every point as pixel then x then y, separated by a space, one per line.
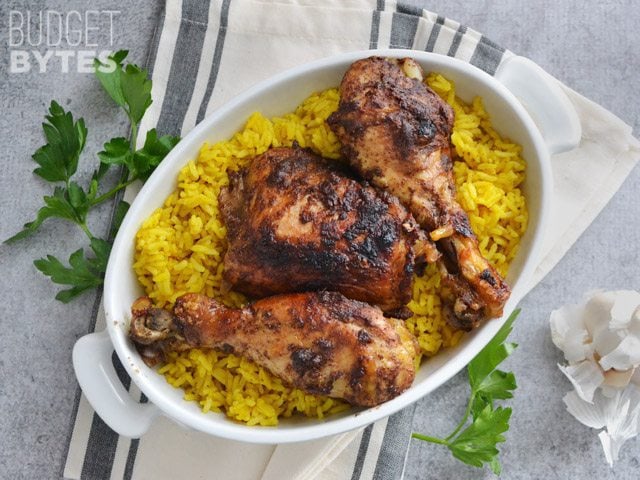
pixel 518 83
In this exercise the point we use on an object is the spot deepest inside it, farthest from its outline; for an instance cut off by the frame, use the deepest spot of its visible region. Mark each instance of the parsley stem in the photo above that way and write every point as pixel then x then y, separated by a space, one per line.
pixel 112 192
pixel 427 438
pixel 464 418
pixel 134 135
pixel 85 229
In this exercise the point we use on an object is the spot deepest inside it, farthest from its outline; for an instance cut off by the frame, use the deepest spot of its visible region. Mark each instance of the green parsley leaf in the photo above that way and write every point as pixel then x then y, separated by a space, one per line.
pixel 478 404
pixel 108 74
pixel 57 205
pixel 100 172
pixel 117 151
pixel 58 159
pixel 152 153
pixel 497 384
pixel 494 353
pixel 94 184
pixel 136 89
pixel 118 216
pixel 477 443
pixel 78 201
pixel 81 275
pixel 143 162
pixel 128 86
pixel 93 190
pixel 495 465
pixel 101 249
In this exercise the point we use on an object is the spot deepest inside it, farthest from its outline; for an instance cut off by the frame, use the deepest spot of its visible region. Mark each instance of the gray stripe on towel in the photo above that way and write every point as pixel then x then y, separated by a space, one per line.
pixel 133 449
pixel 155 43
pixel 395 443
pixel 409 9
pixel 131 459
pixel 487 55
pixel 101 451
pixel 362 452
pixel 455 44
pixel 403 30
pixel 184 66
pixel 435 31
pixel 217 56
pixel 375 25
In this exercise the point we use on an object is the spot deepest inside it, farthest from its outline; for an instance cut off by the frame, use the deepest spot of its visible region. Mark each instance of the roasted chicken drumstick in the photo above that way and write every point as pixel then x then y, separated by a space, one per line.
pixel 395 132
pixel 322 342
pixel 296 222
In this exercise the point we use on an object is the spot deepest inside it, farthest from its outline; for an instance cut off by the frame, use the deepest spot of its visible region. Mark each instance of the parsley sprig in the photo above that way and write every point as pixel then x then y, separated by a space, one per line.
pixel 129 86
pixel 477 443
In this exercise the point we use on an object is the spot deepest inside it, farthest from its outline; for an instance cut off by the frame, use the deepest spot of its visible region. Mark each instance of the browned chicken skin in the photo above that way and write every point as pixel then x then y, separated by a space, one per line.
pixel 297 222
pixel 321 342
pixel 395 132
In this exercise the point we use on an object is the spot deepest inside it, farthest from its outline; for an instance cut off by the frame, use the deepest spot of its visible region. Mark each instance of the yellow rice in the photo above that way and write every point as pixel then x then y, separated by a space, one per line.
pixel 179 249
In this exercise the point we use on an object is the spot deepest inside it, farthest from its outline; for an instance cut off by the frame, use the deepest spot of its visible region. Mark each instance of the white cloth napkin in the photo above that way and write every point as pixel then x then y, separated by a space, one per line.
pixel 205 53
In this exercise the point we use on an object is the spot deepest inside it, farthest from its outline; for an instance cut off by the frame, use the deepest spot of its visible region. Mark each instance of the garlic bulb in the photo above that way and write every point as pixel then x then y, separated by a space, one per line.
pixel 600 339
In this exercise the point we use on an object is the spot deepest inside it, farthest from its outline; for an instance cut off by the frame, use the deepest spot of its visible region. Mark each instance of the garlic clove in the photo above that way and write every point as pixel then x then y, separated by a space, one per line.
pixel 624 306
pixel 601 340
pixel 568 332
pixel 606 341
pixel 578 348
pixel 634 323
pixel 618 379
pixel 597 312
pixel 586 377
pixel 623 357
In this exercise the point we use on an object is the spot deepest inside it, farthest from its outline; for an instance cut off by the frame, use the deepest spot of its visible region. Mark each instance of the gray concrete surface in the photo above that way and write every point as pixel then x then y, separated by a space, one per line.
pixel 591 45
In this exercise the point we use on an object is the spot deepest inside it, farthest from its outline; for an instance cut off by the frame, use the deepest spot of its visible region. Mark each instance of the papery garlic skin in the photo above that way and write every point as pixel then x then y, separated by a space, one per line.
pixel 619 414
pixel 600 339
pixel 624 424
pixel 625 356
pixel 585 376
pixel 569 333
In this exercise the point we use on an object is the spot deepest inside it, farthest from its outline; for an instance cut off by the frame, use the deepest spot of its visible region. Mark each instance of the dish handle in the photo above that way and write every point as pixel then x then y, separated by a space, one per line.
pixel 542 97
pixel 100 383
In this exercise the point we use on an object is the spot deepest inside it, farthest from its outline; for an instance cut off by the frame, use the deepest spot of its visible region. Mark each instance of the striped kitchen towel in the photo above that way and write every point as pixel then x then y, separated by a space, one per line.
pixel 204 53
